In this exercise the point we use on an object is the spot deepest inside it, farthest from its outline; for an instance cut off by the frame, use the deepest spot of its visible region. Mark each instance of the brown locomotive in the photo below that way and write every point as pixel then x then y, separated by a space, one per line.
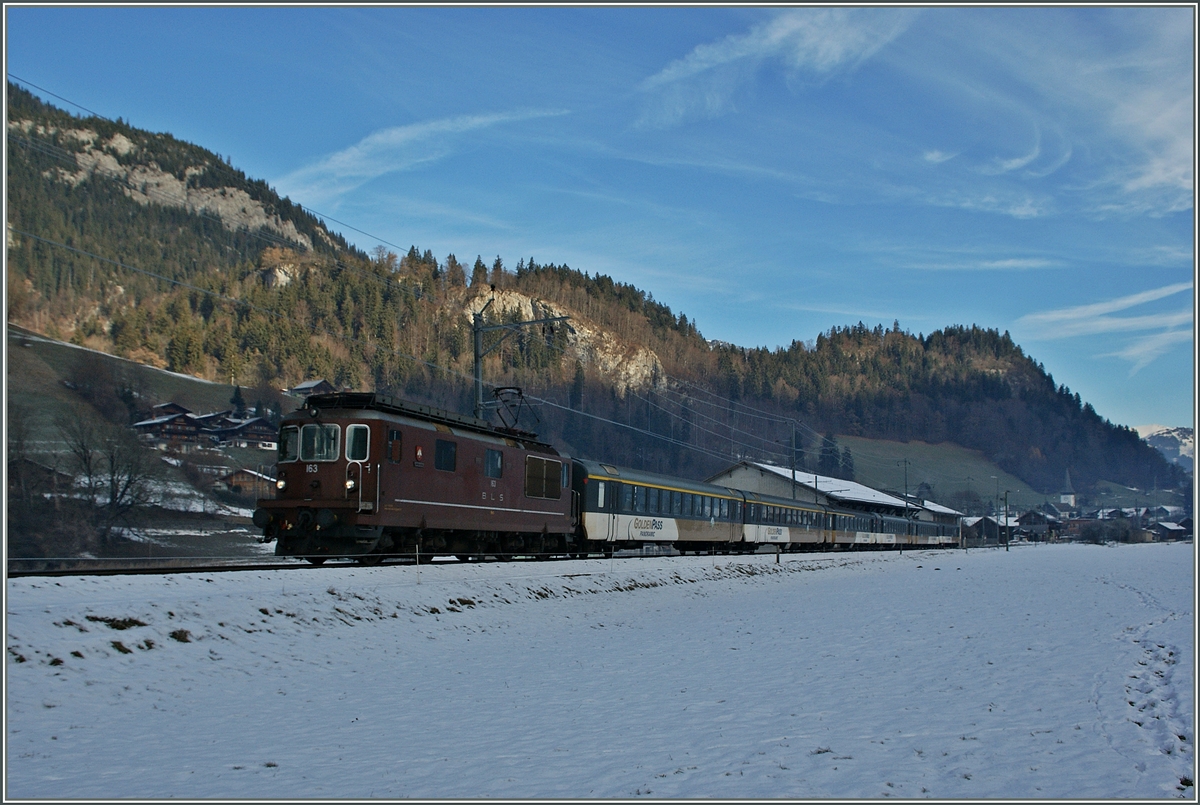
pixel 365 476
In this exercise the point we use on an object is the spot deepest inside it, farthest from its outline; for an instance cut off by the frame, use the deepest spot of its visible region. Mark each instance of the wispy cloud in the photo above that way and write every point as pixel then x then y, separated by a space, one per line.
pixel 980 264
pixel 1144 351
pixel 1095 319
pixel 818 41
pixel 388 150
pixel 938 157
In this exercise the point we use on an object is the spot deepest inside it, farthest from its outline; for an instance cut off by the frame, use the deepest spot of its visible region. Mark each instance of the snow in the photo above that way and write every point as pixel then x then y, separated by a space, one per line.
pixel 837 488
pixel 1047 671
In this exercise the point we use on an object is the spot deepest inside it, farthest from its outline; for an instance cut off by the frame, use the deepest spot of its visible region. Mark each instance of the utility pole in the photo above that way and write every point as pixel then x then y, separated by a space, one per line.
pixel 478 329
pixel 793 459
pixel 907 526
pixel 1007 527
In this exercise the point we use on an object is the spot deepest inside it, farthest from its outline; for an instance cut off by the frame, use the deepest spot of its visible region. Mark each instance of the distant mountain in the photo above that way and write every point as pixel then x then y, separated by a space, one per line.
pixel 1178 445
pixel 144 246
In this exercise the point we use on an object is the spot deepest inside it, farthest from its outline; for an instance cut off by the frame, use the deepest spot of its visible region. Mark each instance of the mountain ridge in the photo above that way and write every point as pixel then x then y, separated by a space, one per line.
pixel 233 293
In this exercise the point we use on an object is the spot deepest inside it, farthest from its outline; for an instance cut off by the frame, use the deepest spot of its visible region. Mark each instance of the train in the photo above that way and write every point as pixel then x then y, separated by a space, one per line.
pixel 366 476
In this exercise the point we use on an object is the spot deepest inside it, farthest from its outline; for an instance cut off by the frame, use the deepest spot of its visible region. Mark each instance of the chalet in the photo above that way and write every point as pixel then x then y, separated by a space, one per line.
pixel 30 477
pixel 989 530
pixel 246 482
pixel 178 431
pixel 253 432
pixel 313 387
pixel 1170 531
pixel 1039 524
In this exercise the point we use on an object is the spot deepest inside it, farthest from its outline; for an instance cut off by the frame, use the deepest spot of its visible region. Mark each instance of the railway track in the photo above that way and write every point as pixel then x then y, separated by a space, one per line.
pixel 149 567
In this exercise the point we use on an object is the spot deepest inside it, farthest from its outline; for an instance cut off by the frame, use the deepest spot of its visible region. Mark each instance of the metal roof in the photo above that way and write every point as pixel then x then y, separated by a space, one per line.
pixel 836 488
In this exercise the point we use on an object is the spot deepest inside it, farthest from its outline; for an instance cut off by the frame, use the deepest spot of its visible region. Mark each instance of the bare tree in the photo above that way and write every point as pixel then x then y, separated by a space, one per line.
pixel 114 471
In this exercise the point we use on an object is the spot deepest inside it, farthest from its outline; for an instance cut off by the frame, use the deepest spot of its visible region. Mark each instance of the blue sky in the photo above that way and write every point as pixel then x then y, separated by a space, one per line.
pixel 770 172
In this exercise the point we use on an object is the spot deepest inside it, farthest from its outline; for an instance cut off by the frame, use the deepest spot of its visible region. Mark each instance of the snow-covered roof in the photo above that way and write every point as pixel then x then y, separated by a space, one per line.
pixel 160 420
pixel 1004 522
pixel 929 505
pixel 310 384
pixel 837 488
pixel 250 472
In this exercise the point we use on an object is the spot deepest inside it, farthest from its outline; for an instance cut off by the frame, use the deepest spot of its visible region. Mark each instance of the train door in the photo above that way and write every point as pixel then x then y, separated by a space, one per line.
pixel 362 478
pixel 606 500
pixel 729 511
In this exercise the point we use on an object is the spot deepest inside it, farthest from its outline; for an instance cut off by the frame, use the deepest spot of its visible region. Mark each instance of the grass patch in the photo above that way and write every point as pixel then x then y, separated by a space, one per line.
pixel 121 647
pixel 120 624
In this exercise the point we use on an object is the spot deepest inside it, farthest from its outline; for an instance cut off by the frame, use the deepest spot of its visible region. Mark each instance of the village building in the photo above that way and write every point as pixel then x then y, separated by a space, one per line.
pixel 176 428
pixel 246 482
pixel 769 479
pixel 1170 531
pixel 312 387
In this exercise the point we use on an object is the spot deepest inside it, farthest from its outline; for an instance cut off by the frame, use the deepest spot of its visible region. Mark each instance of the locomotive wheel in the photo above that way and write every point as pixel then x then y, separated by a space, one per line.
pixel 369 559
pixel 462 557
pixel 316 560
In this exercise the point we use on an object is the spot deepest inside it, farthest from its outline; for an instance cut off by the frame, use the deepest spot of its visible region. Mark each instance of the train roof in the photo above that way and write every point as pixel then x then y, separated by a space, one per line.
pixel 394 405
pixel 606 471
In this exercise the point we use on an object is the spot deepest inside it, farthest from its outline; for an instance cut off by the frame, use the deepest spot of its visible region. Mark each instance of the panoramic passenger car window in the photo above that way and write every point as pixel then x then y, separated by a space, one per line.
pixel 445 455
pixel 319 442
pixel 493 464
pixel 289 444
pixel 626 498
pixel 356 442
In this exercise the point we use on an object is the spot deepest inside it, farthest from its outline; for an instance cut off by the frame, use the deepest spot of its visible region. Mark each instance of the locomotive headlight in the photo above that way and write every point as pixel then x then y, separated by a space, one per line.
pixel 350 484
pixel 281 484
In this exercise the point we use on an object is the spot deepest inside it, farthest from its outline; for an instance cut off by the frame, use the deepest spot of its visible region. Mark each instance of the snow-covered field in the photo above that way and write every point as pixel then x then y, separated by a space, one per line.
pixel 1054 671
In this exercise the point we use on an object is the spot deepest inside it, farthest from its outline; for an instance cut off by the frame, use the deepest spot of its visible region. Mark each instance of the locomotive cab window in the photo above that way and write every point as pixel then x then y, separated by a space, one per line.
pixel 356 442
pixel 493 464
pixel 319 442
pixel 445 455
pixel 289 444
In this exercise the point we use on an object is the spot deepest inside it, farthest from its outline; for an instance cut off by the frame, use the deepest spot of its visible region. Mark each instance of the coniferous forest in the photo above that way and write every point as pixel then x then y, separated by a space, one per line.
pixel 157 250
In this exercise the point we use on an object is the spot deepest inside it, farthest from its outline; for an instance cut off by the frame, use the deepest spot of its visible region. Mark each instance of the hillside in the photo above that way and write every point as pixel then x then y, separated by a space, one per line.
pixel 140 245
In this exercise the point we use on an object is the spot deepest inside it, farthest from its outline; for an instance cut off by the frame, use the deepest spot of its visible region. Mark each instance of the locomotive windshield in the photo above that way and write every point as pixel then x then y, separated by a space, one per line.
pixel 289 444
pixel 319 442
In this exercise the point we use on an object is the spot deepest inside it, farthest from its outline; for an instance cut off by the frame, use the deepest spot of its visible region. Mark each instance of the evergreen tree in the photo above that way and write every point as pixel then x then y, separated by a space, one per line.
pixel 478 273
pixel 576 399
pixel 830 461
pixel 238 402
pixel 456 275
pixel 847 464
